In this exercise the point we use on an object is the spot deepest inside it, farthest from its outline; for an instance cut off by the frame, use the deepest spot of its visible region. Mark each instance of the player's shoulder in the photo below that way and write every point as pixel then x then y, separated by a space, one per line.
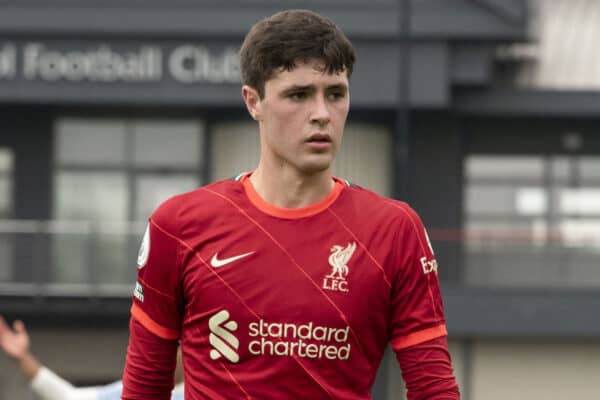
pixel 195 204
pixel 373 202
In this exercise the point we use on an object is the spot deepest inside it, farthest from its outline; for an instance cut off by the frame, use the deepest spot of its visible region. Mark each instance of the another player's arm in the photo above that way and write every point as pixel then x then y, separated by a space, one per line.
pixel 156 315
pixel 419 330
pixel 15 344
pixel 44 383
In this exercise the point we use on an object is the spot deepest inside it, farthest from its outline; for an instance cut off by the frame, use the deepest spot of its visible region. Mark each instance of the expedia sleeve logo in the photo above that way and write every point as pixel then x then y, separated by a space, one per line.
pixel 429 265
pixel 138 292
pixel 142 258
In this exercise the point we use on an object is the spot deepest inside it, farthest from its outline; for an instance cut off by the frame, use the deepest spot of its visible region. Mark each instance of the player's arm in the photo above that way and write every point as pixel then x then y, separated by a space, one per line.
pixel 49 386
pixel 15 344
pixel 44 383
pixel 418 322
pixel 155 314
pixel 427 371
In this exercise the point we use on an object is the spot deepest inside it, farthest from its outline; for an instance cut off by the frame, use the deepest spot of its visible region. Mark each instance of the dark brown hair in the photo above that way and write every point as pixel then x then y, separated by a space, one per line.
pixel 283 39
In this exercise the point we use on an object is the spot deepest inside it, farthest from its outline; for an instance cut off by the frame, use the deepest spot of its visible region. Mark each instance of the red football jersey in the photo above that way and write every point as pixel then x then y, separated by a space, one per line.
pixel 273 303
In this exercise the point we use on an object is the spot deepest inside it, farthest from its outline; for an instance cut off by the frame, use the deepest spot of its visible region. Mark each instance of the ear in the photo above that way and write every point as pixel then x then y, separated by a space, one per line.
pixel 253 103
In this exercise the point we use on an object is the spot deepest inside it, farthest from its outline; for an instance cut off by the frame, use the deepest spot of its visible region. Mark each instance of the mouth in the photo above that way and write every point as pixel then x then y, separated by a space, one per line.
pixel 319 138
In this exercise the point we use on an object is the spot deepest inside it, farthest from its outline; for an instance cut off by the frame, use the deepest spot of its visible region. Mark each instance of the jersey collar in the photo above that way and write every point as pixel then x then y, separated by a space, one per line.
pixel 290 213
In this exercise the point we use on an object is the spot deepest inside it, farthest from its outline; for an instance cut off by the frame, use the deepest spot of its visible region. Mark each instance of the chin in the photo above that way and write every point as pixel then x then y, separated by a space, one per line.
pixel 315 168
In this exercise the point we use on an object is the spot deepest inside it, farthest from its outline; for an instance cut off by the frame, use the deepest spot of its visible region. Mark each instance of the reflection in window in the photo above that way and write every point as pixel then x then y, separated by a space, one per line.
pixel 540 227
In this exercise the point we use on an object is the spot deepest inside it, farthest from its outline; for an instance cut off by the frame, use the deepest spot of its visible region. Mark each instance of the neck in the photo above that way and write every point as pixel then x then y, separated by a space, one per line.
pixel 285 189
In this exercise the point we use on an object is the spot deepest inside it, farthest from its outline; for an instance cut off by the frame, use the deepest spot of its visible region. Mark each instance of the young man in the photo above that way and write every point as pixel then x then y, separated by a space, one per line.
pixel 287 282
pixel 46 384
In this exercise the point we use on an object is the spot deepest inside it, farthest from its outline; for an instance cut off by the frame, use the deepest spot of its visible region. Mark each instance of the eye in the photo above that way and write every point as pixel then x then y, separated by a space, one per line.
pixel 297 96
pixel 335 96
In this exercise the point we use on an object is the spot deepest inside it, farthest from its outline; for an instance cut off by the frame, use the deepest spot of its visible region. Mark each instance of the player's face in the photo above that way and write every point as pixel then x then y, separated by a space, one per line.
pixel 302 117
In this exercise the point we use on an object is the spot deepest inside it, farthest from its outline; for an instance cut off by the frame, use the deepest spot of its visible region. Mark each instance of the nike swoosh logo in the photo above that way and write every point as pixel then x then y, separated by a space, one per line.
pixel 215 262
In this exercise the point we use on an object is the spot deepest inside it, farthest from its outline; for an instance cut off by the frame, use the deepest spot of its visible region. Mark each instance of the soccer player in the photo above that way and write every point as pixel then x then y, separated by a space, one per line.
pixel 287 282
pixel 46 384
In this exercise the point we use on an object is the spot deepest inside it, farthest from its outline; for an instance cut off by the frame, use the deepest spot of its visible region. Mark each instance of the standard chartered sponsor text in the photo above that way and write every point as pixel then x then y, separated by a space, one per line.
pixel 304 340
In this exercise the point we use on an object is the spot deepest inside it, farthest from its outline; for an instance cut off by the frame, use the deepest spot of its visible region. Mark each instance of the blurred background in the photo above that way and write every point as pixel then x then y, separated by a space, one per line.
pixel 483 114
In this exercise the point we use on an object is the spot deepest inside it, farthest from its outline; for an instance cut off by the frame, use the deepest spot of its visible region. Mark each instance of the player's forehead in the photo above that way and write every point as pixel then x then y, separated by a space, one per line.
pixel 307 73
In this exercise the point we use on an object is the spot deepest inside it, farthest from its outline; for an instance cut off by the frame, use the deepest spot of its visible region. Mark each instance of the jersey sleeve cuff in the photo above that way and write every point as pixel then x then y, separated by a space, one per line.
pixel 404 341
pixel 148 323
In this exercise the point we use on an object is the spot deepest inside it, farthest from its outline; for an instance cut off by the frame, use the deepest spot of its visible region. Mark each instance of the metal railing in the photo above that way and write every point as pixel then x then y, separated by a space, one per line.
pixel 68 258
pixel 82 258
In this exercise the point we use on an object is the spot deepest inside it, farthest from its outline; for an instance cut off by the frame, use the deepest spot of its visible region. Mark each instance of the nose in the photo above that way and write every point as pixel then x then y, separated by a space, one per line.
pixel 320 112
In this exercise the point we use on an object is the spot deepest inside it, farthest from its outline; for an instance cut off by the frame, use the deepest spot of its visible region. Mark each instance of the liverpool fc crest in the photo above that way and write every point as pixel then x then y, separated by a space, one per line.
pixel 338 260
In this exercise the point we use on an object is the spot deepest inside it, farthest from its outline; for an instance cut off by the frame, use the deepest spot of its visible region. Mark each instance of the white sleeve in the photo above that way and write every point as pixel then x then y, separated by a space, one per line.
pixel 49 386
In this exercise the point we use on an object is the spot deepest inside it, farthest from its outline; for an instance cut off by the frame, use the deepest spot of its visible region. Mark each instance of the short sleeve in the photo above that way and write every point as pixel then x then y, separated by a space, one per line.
pixel 417 309
pixel 157 298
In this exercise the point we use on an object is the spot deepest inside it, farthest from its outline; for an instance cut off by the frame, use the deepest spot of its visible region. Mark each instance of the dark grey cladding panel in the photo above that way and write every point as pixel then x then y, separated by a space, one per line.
pixel 185 19
pixel 375 78
pixel 379 68
pixel 526 312
pixel 471 63
pixel 194 72
pixel 375 18
pixel 483 19
pixel 523 101
pixel 429 71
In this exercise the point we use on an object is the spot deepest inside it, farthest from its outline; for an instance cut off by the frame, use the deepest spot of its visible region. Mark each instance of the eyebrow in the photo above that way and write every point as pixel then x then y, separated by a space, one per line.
pixel 312 88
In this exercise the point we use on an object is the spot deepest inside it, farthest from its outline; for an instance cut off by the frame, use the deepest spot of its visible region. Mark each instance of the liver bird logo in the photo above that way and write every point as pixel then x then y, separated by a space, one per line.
pixel 339 259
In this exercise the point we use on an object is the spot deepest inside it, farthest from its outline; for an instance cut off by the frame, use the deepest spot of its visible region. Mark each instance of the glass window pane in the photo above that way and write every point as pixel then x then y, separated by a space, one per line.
pixel 167 143
pixel 590 168
pixel 90 141
pixel 5 196
pixel 90 253
pixel 561 167
pixel 95 196
pixel 550 237
pixel 584 201
pixel 235 149
pixel 151 190
pixel 6 256
pixel 6 160
pixel 71 257
pixel 581 233
pixel 504 167
pixel 365 157
pixel 6 182
pixel 531 201
pixel 490 199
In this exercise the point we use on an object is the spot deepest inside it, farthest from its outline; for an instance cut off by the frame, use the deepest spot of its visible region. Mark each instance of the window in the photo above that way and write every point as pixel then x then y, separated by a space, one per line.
pixel 532 220
pixel 6 211
pixel 110 175
pixel 6 182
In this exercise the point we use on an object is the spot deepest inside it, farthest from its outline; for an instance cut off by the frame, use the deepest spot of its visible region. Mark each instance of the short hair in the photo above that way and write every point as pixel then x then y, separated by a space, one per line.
pixel 291 36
